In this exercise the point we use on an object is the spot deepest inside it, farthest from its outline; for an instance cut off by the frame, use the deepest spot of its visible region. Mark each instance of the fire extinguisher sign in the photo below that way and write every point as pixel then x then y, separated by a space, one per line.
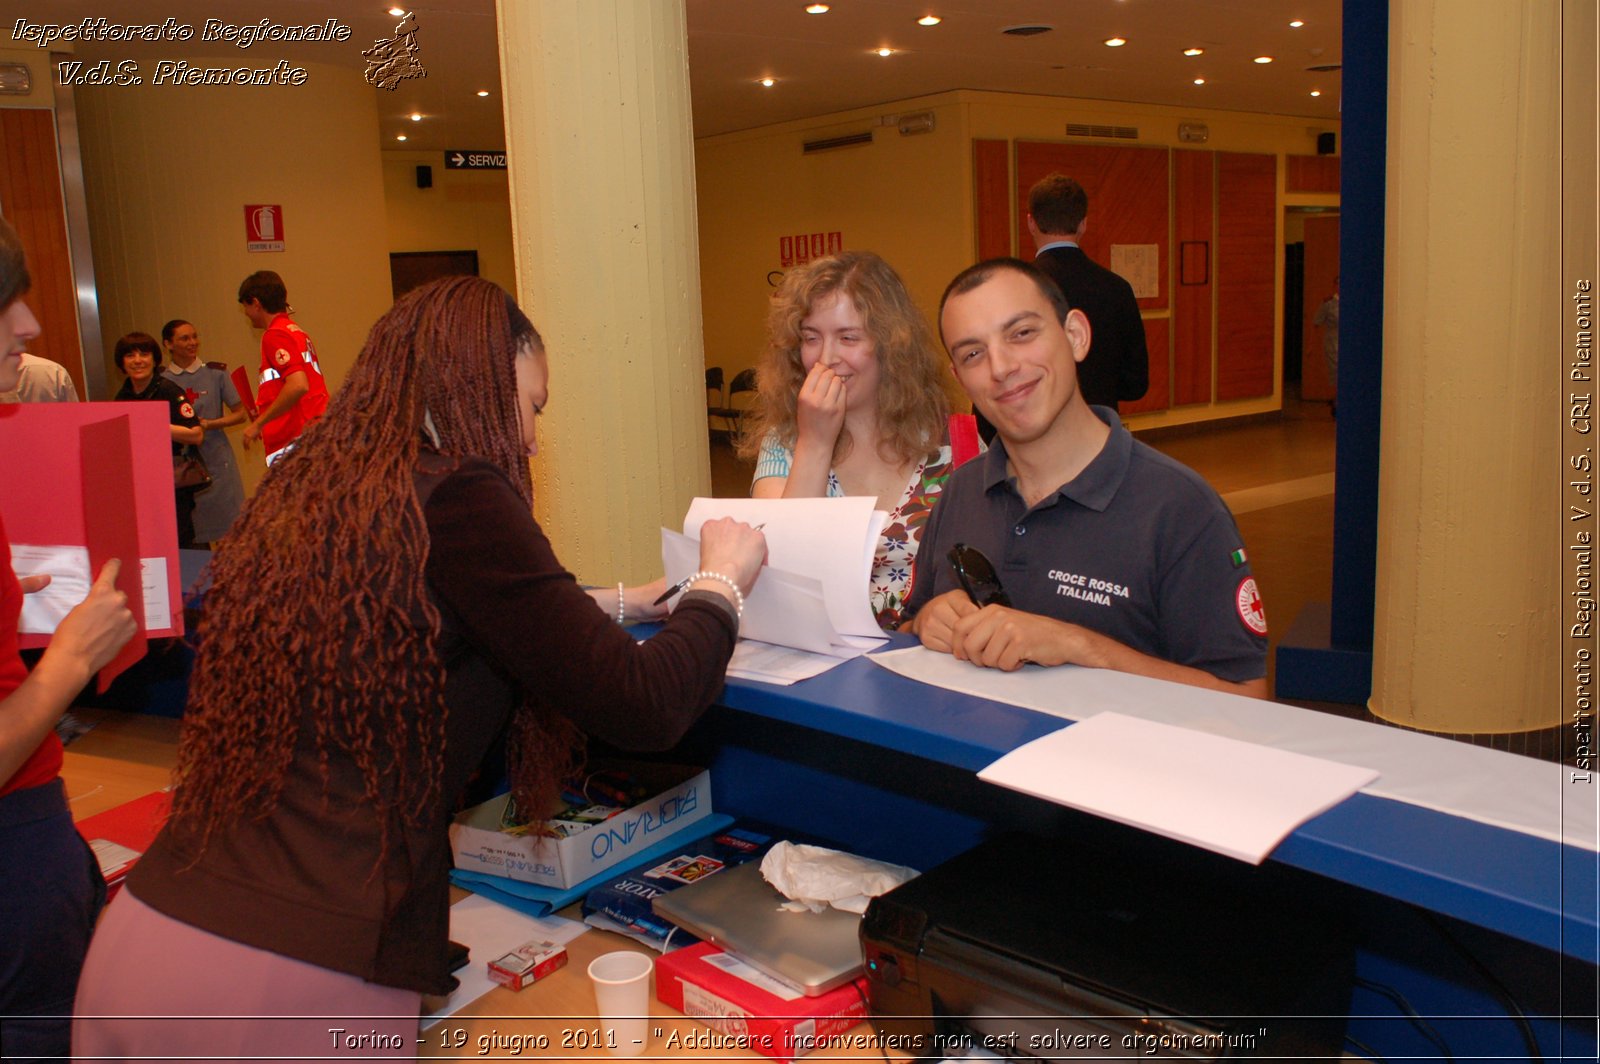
pixel 263 227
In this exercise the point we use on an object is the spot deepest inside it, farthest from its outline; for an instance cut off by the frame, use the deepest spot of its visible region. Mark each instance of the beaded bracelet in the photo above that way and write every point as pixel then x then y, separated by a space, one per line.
pixel 622 617
pixel 738 596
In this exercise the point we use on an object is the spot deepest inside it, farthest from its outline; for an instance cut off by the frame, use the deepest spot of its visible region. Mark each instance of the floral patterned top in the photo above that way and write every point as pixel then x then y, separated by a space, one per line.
pixel 897 549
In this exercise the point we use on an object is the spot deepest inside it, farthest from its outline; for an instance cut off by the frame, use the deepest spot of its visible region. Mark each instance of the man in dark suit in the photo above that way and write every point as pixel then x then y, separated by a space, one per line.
pixel 1117 366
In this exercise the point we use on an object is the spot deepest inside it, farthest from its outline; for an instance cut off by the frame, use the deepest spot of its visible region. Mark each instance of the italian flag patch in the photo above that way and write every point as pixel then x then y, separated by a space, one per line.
pixel 1238 557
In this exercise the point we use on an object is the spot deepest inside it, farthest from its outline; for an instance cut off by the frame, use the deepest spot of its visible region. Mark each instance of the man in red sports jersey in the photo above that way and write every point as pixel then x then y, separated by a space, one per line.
pixel 291 393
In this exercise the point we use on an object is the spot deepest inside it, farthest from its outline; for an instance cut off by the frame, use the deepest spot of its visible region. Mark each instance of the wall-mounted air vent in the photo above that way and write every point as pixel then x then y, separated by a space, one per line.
pixel 1078 129
pixel 15 79
pixel 849 140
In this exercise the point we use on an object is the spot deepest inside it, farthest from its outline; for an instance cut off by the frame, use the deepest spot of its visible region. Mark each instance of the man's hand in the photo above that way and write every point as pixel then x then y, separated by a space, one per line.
pixel 935 622
pixel 36 582
pixel 999 637
pixel 251 433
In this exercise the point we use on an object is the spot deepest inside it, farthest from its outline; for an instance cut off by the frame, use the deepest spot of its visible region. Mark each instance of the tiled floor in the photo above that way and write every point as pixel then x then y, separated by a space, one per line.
pixel 1276 475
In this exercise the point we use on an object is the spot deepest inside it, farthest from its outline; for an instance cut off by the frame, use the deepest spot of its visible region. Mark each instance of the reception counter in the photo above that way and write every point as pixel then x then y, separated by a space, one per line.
pixel 1442 908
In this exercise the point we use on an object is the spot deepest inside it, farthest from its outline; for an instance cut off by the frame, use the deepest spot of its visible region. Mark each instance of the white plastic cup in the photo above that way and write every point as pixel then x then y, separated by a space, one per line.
pixel 622 1000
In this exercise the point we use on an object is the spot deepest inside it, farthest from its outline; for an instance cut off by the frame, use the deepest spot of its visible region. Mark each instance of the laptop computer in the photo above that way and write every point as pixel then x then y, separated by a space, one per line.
pixel 738 911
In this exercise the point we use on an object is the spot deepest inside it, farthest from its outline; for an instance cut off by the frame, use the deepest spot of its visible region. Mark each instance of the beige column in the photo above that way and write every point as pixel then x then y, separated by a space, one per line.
pixel 601 155
pixel 1469 511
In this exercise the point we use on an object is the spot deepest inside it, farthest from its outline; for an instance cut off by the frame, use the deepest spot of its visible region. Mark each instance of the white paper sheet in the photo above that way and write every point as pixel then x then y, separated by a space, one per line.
pixel 68 568
pixel 1490 786
pixel 1235 798
pixel 784 608
pixel 829 540
pixel 42 611
pixel 157 605
pixel 488 930
pixel 780 665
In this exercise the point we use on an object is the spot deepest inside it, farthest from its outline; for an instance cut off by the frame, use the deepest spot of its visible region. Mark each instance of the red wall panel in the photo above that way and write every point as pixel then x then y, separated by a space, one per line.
pixel 1246 259
pixel 1311 173
pixel 1194 187
pixel 30 199
pixel 991 184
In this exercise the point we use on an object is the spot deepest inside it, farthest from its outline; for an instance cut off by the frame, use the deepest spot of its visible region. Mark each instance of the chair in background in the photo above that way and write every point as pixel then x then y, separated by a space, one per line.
pixel 716 383
pixel 731 410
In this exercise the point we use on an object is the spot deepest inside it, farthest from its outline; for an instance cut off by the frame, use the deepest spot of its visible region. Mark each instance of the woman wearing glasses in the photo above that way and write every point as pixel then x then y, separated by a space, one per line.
pixel 852 401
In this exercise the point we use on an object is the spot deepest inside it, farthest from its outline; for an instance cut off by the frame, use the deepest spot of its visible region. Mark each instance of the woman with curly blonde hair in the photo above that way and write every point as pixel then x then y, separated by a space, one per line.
pixel 384 609
pixel 852 401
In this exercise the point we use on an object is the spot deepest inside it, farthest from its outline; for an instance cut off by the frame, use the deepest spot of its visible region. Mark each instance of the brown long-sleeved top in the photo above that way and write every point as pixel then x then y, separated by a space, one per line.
pixel 301 881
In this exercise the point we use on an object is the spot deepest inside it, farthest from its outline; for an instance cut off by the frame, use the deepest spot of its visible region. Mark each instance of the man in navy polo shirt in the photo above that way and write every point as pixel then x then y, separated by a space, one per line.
pixel 1113 555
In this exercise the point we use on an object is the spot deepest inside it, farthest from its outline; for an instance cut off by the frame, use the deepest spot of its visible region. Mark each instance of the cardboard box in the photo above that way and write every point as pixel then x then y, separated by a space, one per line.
pixel 750 1010
pixel 527 964
pixel 480 843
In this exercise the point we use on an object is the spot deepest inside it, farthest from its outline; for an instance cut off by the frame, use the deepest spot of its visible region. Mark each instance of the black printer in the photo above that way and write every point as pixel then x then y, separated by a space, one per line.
pixel 1049 949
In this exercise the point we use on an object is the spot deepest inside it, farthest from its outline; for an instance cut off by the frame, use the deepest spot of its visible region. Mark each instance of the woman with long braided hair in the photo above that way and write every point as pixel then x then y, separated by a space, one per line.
pixel 382 610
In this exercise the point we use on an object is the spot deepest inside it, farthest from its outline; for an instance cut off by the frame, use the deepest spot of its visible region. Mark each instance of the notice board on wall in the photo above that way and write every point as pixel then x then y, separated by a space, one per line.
pixel 83 483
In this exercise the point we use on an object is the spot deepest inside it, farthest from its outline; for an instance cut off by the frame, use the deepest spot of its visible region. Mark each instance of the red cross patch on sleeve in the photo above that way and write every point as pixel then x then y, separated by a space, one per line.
pixel 185 409
pixel 281 357
pixel 1251 612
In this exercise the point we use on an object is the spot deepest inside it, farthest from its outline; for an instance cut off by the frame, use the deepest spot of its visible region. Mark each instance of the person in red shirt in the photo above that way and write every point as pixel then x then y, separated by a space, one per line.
pixel 50 885
pixel 291 393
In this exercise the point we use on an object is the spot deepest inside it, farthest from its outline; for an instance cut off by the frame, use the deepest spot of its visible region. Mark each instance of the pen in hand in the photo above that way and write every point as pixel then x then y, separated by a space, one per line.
pixel 686 581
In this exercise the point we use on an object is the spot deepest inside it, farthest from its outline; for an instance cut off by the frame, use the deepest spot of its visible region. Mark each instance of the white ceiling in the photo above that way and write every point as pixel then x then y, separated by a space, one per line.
pixel 821 63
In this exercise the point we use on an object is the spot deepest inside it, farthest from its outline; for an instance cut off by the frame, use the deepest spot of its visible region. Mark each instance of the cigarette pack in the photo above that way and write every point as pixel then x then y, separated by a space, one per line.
pixel 527 964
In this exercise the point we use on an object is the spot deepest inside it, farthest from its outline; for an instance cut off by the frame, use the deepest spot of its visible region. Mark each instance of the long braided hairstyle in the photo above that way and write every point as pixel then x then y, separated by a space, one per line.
pixel 312 616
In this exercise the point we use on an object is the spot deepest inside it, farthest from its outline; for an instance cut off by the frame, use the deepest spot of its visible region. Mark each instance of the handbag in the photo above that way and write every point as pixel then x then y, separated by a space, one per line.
pixel 189 473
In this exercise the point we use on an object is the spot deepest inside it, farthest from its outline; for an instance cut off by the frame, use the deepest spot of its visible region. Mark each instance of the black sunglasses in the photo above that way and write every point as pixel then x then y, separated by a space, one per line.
pixel 977 576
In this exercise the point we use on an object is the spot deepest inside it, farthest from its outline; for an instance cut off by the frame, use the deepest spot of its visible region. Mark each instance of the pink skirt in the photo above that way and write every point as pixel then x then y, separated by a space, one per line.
pixel 153 986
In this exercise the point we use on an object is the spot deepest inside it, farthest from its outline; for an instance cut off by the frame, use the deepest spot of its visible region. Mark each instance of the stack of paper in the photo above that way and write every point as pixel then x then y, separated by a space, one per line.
pixel 812 594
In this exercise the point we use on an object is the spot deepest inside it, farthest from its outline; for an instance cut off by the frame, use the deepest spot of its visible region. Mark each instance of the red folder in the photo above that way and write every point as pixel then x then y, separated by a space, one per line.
pixel 241 382
pixel 131 826
pixel 99 476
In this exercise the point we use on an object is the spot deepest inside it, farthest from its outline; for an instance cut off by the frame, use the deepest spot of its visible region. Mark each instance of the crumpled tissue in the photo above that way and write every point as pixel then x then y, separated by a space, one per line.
pixel 815 877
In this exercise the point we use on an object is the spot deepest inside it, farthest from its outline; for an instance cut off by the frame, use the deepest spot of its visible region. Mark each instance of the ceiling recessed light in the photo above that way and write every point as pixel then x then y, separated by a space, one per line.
pixel 816 9
pixel 401 137
pixel 886 52
pixel 1116 42
pixel 769 82
pixel 483 92
pixel 415 117
pixel 1316 92
pixel 928 20
pixel 1263 59
pixel 397 11
pixel 1296 24
pixel 1199 81
pixel 1192 52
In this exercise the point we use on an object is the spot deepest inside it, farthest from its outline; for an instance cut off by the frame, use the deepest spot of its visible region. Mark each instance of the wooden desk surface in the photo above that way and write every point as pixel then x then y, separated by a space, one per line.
pixel 125 756
pixel 560 1009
